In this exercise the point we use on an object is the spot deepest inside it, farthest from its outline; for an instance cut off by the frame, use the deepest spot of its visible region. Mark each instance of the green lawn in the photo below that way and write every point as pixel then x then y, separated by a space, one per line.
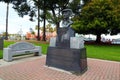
pixel 7 43
pixel 1 53
pixel 106 52
pixel 43 45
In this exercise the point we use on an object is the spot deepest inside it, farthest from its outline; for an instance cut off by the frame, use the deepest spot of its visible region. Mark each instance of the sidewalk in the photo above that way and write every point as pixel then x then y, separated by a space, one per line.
pixel 33 68
pixel 19 59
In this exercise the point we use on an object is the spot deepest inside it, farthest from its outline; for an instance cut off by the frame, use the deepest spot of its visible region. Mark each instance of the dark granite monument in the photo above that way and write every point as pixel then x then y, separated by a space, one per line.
pixel 1 43
pixel 67 51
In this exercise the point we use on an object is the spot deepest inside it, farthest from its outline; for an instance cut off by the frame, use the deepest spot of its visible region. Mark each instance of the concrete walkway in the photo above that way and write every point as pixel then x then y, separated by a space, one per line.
pixel 33 68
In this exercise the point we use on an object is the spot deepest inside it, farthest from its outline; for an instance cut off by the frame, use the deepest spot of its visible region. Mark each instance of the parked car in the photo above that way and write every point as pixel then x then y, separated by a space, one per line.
pixel 116 41
pixel 89 39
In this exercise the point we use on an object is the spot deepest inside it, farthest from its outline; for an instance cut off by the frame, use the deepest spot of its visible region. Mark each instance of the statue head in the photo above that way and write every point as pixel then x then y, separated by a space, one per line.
pixel 67 13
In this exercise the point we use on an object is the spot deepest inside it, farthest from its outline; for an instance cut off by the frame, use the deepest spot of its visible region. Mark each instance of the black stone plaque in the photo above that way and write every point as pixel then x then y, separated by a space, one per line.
pixel 73 60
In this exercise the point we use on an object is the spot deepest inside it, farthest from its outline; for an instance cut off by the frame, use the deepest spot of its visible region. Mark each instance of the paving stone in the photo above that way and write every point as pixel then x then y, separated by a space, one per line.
pixel 35 69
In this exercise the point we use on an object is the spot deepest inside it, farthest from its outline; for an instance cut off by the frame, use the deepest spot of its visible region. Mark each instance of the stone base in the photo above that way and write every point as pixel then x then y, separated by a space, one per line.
pixel 73 60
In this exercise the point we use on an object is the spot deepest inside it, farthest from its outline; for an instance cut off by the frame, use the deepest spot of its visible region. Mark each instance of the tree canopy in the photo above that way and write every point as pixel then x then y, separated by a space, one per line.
pixel 50 10
pixel 98 17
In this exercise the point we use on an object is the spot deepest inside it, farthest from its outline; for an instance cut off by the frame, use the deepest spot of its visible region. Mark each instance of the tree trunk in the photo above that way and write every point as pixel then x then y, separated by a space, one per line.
pixel 7 13
pixel 98 39
pixel 57 22
pixel 57 26
pixel 44 30
pixel 38 36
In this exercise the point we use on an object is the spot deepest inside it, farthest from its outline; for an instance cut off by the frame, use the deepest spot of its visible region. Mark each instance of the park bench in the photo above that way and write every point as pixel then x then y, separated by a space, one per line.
pixel 20 48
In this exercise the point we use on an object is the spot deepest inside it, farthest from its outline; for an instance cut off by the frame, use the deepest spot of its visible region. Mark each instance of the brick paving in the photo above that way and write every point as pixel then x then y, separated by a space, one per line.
pixel 36 70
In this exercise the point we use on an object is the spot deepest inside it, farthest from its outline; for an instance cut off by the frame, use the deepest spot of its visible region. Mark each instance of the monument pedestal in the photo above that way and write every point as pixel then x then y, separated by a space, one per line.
pixel 73 60
pixel 67 52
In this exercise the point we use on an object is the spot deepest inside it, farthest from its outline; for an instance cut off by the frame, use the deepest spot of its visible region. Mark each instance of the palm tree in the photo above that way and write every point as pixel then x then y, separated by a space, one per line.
pixel 38 38
pixel 7 13
pixel 29 9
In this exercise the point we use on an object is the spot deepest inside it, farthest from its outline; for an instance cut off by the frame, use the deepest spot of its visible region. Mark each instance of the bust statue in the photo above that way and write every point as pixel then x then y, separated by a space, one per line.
pixel 67 13
pixel 65 31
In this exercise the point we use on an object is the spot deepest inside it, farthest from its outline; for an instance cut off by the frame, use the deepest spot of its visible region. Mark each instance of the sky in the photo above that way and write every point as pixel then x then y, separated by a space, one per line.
pixel 15 23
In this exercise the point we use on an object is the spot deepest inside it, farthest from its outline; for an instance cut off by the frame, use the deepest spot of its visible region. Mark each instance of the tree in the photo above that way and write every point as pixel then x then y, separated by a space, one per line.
pixel 98 17
pixel 53 9
pixel 116 17
pixel 86 1
pixel 49 28
pixel 7 13
pixel 30 8
pixel 38 38
pixel 56 7
pixel 45 6
pixel 50 9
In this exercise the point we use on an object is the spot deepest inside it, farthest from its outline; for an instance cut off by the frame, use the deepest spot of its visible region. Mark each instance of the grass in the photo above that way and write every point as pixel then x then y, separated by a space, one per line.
pixel 105 52
pixel 7 43
pixel 1 53
pixel 43 45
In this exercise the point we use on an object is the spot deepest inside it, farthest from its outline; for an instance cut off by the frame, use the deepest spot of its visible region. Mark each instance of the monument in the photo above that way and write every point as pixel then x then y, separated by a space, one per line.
pixel 1 43
pixel 67 51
